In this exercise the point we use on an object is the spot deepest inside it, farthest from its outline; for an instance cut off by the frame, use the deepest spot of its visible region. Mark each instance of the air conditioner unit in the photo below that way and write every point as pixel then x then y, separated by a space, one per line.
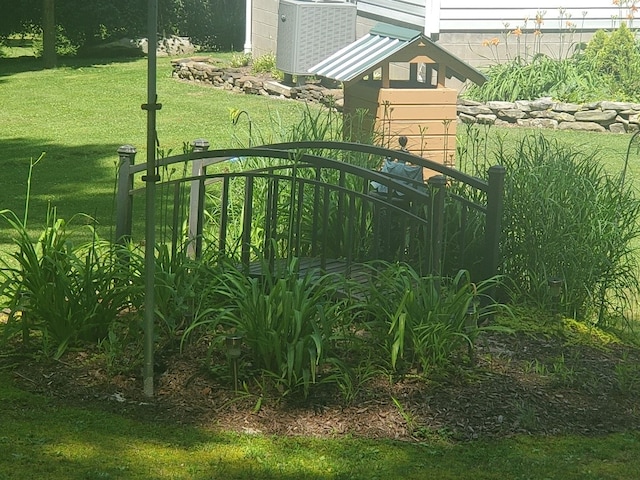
pixel 309 32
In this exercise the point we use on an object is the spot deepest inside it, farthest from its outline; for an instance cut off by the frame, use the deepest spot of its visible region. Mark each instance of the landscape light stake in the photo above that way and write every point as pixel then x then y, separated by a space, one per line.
pixel 233 351
pixel 470 324
pixel 555 290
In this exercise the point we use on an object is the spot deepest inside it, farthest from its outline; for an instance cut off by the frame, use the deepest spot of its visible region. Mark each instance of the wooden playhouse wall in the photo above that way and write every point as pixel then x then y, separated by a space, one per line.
pixel 426 116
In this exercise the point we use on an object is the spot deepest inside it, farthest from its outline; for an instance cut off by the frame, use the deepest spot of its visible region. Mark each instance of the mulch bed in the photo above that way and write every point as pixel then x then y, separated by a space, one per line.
pixel 520 384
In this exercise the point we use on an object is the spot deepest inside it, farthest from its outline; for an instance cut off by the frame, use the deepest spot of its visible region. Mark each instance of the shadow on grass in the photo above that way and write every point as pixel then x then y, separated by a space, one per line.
pixel 83 182
pixel 13 65
pixel 46 439
pixel 74 443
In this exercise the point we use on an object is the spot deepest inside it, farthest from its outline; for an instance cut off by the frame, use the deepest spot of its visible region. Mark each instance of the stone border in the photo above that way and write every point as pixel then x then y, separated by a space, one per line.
pixel 209 71
pixel 615 117
pixel 604 116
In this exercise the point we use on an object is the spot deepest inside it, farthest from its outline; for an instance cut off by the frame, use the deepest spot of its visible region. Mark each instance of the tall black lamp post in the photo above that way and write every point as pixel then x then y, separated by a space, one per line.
pixel 151 177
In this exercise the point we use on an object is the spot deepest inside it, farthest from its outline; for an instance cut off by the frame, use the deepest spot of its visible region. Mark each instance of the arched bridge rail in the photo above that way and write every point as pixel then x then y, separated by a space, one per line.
pixel 305 200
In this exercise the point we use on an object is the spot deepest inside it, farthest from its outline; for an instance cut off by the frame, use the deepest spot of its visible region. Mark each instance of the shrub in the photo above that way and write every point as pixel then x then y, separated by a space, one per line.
pixel 67 294
pixel 266 64
pixel 608 68
pixel 65 47
pixel 420 322
pixel 240 59
pixel 616 57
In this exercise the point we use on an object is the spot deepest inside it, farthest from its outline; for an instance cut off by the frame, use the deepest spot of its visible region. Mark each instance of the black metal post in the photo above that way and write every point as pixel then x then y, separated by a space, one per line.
pixel 438 193
pixel 495 203
pixel 124 200
pixel 196 200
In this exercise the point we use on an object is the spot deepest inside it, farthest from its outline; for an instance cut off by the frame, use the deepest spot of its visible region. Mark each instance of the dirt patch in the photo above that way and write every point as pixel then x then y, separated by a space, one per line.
pixel 518 385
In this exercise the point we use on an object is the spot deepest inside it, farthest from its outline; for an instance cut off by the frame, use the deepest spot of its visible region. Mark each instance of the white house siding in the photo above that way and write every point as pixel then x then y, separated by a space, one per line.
pixel 264 28
pixel 491 15
pixel 461 26
pixel 406 12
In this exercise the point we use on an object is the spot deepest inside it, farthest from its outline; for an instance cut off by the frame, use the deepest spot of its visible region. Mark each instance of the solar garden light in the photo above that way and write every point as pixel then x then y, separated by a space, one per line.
pixel 471 322
pixel 233 343
pixel 471 315
pixel 555 290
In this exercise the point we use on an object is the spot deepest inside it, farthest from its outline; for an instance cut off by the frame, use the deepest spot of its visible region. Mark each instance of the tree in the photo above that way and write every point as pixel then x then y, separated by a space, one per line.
pixel 79 23
pixel 49 34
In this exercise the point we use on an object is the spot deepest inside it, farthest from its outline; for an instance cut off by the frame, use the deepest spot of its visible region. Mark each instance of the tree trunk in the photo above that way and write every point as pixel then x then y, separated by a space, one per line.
pixel 49 34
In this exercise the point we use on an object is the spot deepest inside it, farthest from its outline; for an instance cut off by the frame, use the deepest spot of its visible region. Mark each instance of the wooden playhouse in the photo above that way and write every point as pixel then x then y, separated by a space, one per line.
pixel 395 80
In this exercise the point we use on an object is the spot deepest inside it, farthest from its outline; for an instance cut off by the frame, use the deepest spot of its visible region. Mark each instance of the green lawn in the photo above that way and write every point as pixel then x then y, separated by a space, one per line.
pixel 79 114
pixel 40 438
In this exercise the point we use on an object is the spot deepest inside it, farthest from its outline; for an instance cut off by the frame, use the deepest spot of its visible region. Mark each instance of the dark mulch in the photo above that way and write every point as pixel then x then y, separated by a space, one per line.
pixel 520 384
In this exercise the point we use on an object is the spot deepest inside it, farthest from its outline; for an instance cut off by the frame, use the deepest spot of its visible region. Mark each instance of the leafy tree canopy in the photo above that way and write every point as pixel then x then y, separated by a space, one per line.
pixel 209 23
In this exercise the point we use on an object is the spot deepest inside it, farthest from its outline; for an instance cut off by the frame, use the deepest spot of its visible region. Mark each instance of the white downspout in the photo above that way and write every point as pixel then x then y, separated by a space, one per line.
pixel 432 18
pixel 247 27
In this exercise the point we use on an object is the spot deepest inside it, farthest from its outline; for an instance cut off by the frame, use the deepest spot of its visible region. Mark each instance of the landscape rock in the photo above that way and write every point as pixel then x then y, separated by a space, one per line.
pixel 486 119
pixel 524 105
pixel 468 102
pixel 592 106
pixel 123 47
pixel 501 105
pixel 511 114
pixel 617 128
pixel 623 121
pixel 168 46
pixel 605 117
pixel 468 119
pixel 582 126
pixel 475 110
pixel 276 88
pixel 552 114
pixel 567 107
pixel 542 104
pixel 617 106
pixel 538 123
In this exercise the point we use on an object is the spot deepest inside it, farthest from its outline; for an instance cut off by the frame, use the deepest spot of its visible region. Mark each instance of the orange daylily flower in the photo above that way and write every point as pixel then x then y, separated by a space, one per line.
pixel 517 32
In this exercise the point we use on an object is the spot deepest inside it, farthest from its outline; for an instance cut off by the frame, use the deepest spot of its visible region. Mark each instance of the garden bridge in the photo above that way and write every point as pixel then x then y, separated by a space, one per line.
pixel 319 204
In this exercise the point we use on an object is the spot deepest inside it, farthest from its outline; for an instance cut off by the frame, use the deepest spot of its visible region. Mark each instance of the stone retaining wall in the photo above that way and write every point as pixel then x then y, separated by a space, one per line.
pixel 616 117
pixel 205 70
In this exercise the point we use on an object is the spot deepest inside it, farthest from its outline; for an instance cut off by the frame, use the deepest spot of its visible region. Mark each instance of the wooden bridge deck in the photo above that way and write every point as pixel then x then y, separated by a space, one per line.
pixel 316 267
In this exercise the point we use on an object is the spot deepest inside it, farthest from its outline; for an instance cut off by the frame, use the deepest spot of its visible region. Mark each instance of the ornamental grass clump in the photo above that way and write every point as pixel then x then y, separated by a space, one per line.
pixel 566 219
pixel 63 294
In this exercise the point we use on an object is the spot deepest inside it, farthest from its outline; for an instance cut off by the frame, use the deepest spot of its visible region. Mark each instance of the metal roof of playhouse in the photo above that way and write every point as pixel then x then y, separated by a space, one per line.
pixel 385 43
